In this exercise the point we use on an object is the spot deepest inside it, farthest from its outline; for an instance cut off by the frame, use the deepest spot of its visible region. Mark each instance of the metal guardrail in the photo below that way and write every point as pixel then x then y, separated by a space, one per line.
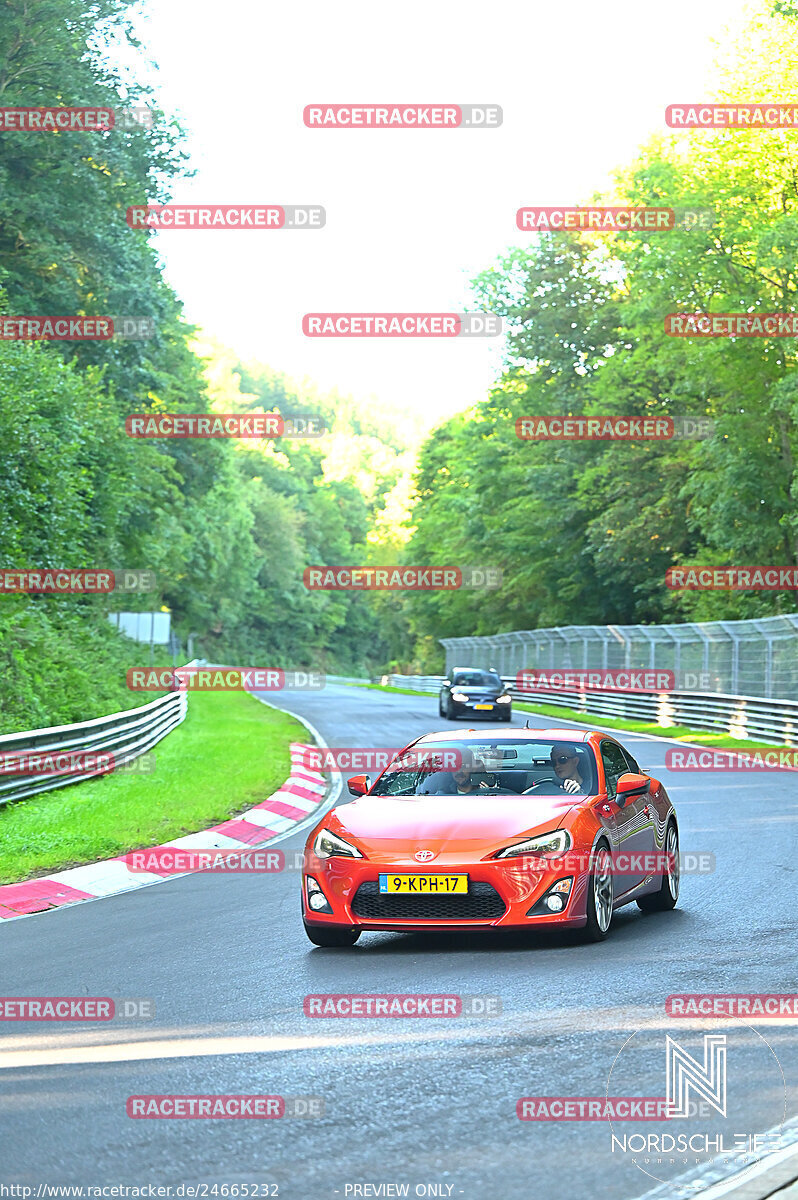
pixel 740 716
pixel 757 656
pixel 419 683
pixel 125 735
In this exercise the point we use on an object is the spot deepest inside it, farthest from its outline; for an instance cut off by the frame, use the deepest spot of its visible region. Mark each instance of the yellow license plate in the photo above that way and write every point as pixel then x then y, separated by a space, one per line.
pixel 483 706
pixel 426 885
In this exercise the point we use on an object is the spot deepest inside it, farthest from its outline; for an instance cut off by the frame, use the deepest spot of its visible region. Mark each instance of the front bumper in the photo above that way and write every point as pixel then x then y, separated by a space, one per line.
pixel 500 895
pixel 461 708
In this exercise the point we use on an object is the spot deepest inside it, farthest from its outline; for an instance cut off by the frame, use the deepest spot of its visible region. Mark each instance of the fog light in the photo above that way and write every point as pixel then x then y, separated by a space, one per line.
pixel 316 898
pixel 554 900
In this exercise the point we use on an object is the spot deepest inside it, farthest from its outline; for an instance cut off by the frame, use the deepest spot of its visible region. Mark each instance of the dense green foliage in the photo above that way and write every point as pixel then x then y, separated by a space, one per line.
pixel 582 531
pixel 227 528
pixel 585 531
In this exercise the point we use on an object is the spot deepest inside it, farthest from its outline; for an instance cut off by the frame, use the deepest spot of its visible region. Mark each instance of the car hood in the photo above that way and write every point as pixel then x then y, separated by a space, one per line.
pixel 390 824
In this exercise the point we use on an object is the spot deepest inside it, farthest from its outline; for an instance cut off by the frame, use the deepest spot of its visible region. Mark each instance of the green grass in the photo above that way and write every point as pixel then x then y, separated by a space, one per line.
pixel 230 753
pixel 717 739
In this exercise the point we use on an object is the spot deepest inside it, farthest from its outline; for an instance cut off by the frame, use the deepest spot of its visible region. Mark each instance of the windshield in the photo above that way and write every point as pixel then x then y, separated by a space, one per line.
pixel 485 767
pixel 476 679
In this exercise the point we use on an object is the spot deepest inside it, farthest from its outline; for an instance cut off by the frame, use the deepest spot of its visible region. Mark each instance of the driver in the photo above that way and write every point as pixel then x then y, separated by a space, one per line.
pixel 454 783
pixel 463 776
pixel 565 761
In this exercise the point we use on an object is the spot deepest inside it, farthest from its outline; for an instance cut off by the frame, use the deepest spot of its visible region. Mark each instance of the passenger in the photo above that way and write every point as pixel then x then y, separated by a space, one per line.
pixel 565 761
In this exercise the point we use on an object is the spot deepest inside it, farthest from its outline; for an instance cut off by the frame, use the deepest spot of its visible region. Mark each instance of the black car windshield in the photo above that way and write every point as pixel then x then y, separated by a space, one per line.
pixel 485 767
pixel 485 679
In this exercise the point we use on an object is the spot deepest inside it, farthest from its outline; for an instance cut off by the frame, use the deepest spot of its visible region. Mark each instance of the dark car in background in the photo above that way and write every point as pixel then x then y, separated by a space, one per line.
pixel 474 692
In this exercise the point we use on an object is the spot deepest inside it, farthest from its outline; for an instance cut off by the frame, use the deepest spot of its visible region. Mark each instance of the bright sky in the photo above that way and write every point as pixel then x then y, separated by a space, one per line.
pixel 411 215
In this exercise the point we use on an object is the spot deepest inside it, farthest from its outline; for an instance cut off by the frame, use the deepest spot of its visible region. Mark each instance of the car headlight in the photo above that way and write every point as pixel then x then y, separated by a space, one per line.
pixel 541 843
pixel 460 697
pixel 505 698
pixel 329 844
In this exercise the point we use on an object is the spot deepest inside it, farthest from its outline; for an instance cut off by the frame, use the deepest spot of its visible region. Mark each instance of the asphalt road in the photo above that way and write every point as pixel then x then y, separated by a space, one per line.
pixel 429 1105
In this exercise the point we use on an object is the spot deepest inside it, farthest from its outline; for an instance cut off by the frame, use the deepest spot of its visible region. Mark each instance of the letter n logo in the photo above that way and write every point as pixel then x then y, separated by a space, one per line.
pixel 683 1072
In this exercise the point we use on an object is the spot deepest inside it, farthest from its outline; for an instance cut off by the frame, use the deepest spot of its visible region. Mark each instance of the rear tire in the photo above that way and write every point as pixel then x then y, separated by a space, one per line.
pixel 665 899
pixel 600 896
pixel 331 936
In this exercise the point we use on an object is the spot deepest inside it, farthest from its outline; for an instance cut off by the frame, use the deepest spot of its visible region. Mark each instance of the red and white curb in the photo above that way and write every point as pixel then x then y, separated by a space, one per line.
pixel 300 796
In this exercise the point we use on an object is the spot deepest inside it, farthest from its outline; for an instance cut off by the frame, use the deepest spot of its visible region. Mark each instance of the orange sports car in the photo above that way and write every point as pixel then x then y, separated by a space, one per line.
pixel 501 830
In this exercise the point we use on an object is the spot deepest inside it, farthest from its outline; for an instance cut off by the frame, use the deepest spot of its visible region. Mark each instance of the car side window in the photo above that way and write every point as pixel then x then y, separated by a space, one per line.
pixel 614 765
pixel 633 764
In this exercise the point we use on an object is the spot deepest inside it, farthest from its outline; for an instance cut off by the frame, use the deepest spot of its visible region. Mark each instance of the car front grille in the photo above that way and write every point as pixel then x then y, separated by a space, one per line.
pixel 481 903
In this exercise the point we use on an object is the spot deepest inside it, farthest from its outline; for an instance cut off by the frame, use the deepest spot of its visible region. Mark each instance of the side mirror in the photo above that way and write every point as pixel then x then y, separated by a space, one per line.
pixel 358 785
pixel 630 785
pixel 446 683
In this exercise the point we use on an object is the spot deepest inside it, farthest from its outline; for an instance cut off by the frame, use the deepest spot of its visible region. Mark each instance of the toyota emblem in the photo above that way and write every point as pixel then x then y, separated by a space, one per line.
pixel 423 855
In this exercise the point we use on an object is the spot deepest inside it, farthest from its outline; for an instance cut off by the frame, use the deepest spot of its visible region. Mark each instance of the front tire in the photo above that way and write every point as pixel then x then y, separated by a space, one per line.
pixel 665 899
pixel 331 936
pixel 600 896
